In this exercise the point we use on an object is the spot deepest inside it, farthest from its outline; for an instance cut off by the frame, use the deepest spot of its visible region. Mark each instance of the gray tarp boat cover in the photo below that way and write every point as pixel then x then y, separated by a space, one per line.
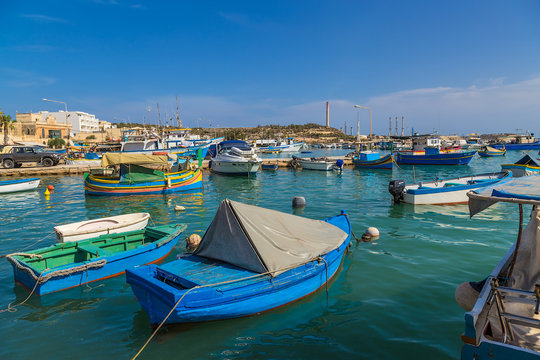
pixel 523 188
pixel 264 240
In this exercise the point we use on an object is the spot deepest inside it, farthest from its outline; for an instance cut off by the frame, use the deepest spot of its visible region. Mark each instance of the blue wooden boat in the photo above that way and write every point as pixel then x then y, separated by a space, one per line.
pixel 434 157
pixel 372 160
pixel 250 260
pixel 502 318
pixel 66 265
pixel 10 186
pixel 269 166
pixel 523 167
pixel 488 151
pixel 518 146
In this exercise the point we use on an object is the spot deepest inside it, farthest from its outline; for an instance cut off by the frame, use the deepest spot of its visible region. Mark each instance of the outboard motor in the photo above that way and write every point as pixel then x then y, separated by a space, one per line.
pixel 339 165
pixel 396 188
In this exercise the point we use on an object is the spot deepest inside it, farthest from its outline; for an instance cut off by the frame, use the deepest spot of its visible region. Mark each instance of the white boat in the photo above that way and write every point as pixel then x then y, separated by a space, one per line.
pixel 322 164
pixel 235 157
pixel 443 191
pixel 93 228
pixel 502 319
pixel 10 186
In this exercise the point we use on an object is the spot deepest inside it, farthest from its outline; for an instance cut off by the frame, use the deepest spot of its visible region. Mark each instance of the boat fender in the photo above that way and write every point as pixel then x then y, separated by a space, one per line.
pixel 372 233
pixel 396 189
pixel 466 295
pixel 192 242
pixel 298 201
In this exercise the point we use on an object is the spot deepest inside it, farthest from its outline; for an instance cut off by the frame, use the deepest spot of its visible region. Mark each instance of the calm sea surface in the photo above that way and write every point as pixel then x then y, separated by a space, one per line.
pixel 393 298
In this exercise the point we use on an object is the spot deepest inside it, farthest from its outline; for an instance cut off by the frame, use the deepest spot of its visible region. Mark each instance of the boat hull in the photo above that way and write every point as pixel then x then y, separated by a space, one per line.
pixel 173 182
pixel 455 191
pixel 385 162
pixel 92 228
pixel 248 297
pixel 316 165
pixel 491 153
pixel 520 170
pixel 529 146
pixel 115 265
pixel 452 158
pixel 234 167
pixel 11 186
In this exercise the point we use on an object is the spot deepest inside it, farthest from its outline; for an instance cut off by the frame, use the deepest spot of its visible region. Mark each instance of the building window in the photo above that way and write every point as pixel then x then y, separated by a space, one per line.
pixel 55 134
pixel 43 133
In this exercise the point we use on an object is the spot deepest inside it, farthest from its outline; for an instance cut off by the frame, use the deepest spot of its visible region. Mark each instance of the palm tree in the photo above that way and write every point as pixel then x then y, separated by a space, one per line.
pixel 6 123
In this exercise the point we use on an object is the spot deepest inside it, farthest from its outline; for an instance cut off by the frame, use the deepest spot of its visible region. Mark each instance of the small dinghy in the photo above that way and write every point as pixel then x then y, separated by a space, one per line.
pixel 109 225
pixel 10 186
pixel 373 160
pixel 314 163
pixel 72 264
pixel 443 191
pixel 488 151
pixel 250 260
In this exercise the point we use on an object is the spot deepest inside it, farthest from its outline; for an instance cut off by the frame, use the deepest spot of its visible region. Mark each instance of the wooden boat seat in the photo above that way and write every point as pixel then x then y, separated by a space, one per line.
pixel 94 250
pixel 448 184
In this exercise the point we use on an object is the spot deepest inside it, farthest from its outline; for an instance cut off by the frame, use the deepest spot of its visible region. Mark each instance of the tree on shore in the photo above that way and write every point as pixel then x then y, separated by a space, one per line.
pixel 6 123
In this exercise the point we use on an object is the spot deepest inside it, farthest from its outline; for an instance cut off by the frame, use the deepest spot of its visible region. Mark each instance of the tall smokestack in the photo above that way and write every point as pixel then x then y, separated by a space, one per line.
pixel 402 126
pixel 396 126
pixel 390 126
pixel 327 114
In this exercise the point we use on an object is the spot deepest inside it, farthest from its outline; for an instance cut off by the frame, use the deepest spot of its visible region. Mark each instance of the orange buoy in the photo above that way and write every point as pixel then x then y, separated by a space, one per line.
pixel 50 187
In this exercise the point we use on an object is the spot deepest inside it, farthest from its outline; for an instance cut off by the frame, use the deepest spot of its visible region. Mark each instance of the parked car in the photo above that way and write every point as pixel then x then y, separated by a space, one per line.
pixel 15 156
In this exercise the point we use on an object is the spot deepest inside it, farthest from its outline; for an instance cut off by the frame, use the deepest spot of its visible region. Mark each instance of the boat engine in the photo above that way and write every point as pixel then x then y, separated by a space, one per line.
pixel 396 188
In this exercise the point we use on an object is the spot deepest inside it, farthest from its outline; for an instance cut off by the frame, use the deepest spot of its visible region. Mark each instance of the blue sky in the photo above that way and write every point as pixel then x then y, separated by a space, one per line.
pixel 454 66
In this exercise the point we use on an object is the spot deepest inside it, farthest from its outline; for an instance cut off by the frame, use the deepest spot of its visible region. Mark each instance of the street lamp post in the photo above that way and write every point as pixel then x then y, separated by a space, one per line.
pixel 67 115
pixel 364 107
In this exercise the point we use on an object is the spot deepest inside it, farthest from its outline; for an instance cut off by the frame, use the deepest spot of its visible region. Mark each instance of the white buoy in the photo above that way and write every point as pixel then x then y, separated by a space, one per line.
pixel 298 201
pixel 179 208
pixel 192 242
pixel 466 296
pixel 371 233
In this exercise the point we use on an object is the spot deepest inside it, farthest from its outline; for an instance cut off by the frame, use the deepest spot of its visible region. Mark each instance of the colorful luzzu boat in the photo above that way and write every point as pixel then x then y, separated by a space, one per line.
pixel 488 151
pixel 433 156
pixel 123 174
pixel 372 160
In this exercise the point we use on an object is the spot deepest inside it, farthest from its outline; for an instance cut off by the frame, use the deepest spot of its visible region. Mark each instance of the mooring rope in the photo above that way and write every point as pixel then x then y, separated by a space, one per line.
pixel 14 307
pixel 319 258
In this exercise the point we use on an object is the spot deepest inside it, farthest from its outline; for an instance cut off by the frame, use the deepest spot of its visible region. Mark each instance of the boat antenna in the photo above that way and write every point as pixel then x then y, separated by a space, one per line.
pixel 178 116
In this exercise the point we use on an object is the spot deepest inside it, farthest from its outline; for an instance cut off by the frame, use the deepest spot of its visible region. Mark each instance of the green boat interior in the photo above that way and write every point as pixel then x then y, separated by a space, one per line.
pixel 103 246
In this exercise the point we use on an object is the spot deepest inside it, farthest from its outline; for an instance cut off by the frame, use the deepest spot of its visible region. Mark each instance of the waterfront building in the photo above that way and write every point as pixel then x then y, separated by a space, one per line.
pixel 34 127
pixel 80 121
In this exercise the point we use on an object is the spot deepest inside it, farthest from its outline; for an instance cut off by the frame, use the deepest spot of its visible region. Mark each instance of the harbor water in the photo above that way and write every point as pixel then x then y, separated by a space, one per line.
pixel 392 299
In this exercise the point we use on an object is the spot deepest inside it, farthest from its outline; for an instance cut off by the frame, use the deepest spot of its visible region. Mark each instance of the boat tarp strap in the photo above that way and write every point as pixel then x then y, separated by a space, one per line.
pixel 264 240
pixel 522 188
pixel 109 159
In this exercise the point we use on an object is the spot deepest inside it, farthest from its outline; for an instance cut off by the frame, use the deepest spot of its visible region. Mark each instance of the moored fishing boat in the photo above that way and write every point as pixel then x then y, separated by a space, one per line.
pixel 502 321
pixel 250 260
pixel 315 163
pixel 9 186
pixel 488 151
pixel 444 191
pixel 128 174
pixel 109 225
pixel 372 160
pixel 273 166
pixel 523 167
pixel 72 264
pixel 432 156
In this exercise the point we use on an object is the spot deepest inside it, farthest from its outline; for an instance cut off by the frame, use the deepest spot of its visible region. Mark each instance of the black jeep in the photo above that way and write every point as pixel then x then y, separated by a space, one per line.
pixel 14 156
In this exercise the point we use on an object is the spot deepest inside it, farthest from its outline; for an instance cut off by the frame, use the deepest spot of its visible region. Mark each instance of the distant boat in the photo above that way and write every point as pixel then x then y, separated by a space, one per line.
pixel 72 264
pixel 523 146
pixel 444 191
pixel 129 174
pixel 235 157
pixel 502 310
pixel 432 156
pixel 10 186
pixel 250 260
pixel 322 164
pixel 269 166
pixel 373 160
pixel 92 228
pixel 488 151
pixel 523 167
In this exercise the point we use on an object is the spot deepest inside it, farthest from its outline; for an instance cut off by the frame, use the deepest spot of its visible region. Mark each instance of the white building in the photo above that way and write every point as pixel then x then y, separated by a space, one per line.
pixel 80 121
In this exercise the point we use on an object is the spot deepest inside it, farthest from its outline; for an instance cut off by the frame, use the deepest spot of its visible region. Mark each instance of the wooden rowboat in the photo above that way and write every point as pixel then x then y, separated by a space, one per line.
pixel 66 265
pixel 488 151
pixel 250 260
pixel 10 186
pixel 110 225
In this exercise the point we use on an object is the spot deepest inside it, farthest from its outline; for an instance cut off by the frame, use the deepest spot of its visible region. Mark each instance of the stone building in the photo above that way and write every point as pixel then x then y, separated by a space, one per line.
pixel 33 127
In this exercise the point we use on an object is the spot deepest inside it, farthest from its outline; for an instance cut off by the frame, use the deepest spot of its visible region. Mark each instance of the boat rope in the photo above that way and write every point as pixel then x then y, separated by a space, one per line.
pixel 352 232
pixel 326 282
pixel 395 162
pixel 26 247
pixel 58 273
pixel 14 307
pixel 224 283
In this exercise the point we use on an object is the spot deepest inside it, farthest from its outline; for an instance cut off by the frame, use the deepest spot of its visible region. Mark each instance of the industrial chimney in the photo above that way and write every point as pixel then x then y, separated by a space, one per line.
pixel 327 114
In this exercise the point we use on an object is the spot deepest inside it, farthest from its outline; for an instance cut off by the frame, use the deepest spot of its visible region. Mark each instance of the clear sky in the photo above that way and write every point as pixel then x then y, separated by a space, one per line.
pixel 454 66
